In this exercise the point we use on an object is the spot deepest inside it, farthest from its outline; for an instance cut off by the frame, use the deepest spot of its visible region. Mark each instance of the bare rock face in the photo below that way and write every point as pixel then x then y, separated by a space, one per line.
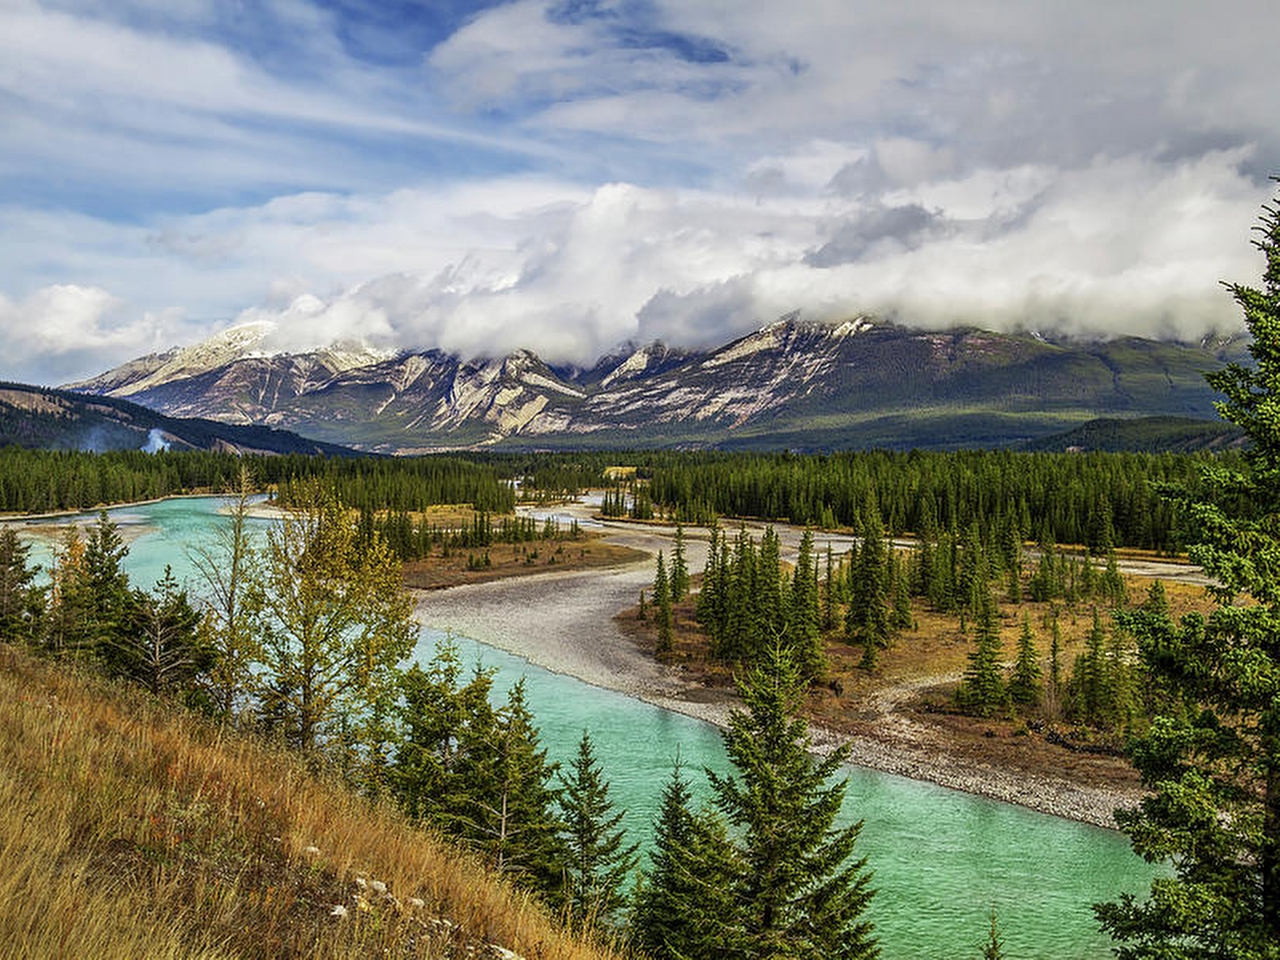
pixel 792 383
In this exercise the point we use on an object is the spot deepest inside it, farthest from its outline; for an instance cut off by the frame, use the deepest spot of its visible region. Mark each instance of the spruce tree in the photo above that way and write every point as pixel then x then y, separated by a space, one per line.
pixel 867 621
pixel 803 632
pixel 1212 756
pixel 679 568
pixel 21 603
pixel 982 689
pixel 685 900
pixel 509 811
pixel 797 892
pixel 160 646
pixel 1024 685
pixel 597 863
pixel 663 614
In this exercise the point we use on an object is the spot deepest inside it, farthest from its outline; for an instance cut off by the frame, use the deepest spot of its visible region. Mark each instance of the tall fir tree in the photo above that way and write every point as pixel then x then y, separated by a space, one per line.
pixel 1212 756
pixel 510 805
pixel 662 612
pixel 1024 685
pixel 21 601
pixel 679 567
pixel 803 633
pixel 684 904
pixel 982 689
pixel 797 892
pixel 597 861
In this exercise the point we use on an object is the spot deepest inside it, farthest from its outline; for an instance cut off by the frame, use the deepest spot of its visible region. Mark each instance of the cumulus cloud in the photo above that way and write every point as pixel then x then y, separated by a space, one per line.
pixel 63 330
pixel 566 176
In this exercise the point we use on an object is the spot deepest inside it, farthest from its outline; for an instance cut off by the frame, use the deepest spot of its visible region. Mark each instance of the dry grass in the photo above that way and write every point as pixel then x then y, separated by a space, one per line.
pixel 128 829
pixel 590 552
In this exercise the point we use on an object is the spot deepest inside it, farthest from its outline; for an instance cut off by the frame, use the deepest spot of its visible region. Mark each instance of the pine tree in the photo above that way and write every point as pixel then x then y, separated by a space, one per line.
pixel 596 862
pixel 160 647
pixel 796 893
pixel 107 595
pixel 1053 690
pixel 993 949
pixel 684 902
pixel 509 808
pixel 21 603
pixel 446 730
pixel 1212 756
pixel 663 614
pixel 802 623
pixel 679 569
pixel 982 688
pixel 867 620
pixel 1024 686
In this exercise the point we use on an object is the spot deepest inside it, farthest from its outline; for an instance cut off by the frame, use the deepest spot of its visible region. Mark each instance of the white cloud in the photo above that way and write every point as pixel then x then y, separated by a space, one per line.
pixel 666 169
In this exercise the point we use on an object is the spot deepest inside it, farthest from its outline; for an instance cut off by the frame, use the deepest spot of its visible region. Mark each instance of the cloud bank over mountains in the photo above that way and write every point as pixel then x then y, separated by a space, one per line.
pixel 565 176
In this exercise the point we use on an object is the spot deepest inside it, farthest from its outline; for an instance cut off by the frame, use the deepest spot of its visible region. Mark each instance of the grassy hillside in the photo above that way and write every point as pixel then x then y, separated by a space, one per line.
pixel 129 830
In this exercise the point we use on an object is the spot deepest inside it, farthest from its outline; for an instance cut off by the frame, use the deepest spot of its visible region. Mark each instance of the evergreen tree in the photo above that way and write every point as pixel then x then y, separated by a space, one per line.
pixel 1089 688
pixel 596 862
pixel 982 689
pixel 663 614
pixel 510 803
pixel 679 568
pixel 107 596
pixel 796 891
pixel 1212 757
pixel 21 603
pixel 803 633
pixel 1053 690
pixel 160 646
pixel 446 731
pixel 1024 686
pixel 1157 601
pixel 993 949
pixel 867 620
pixel 684 902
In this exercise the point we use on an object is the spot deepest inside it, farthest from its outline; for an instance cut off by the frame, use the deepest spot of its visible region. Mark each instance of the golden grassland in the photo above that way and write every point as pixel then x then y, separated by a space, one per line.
pixel 132 829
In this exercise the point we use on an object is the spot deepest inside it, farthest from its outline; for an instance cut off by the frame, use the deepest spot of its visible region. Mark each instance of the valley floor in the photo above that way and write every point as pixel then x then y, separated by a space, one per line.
pixel 567 622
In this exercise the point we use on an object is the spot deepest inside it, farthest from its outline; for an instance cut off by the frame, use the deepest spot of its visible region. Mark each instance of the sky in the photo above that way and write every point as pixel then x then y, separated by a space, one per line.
pixel 480 176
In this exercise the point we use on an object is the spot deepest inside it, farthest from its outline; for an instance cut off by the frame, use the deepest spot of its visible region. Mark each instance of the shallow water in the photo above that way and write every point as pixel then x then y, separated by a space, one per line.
pixel 941 858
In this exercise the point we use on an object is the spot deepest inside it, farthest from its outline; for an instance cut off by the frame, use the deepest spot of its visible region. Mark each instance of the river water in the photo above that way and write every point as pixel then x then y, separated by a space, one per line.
pixel 941 858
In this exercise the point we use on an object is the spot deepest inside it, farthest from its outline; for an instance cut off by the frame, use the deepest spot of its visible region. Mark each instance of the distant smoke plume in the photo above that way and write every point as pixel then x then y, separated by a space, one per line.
pixel 155 442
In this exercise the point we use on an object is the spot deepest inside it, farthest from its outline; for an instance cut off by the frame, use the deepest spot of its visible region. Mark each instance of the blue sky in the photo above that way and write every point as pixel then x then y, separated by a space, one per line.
pixel 568 175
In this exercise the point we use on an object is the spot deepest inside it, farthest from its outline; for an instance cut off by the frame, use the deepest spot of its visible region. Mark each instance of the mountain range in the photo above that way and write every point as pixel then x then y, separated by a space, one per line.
pixel 794 384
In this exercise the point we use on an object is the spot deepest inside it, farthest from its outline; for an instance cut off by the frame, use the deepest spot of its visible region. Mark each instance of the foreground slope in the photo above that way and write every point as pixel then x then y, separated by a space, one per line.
pixel 793 383
pixel 132 830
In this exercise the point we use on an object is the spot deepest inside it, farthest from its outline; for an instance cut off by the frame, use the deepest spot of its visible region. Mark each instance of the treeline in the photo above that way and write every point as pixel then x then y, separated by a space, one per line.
pixel 39 481
pixel 1073 498
pixel 413 539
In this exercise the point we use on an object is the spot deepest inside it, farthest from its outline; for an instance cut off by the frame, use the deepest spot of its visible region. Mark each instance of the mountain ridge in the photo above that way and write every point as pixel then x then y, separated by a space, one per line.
pixel 792 383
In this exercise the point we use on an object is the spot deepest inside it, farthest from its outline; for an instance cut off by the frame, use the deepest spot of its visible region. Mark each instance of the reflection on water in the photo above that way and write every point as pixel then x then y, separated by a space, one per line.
pixel 942 859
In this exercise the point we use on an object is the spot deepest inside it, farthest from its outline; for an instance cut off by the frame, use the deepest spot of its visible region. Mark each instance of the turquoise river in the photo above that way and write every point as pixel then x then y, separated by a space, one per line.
pixel 941 858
